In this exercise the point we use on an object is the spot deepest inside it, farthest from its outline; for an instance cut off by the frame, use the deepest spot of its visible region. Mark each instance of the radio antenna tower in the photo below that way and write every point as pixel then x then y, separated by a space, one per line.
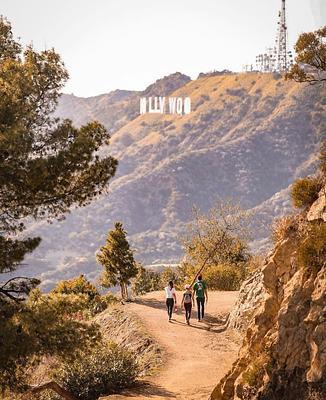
pixel 284 57
pixel 277 58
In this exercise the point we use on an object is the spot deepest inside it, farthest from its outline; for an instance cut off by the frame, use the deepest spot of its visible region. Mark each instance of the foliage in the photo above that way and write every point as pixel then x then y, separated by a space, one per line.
pixel 254 374
pixel 42 325
pixel 218 238
pixel 102 371
pixel 78 285
pixel 305 191
pixel 224 277
pixel 117 259
pixel 46 165
pixel 12 252
pixel 283 227
pixel 146 281
pixel 311 58
pixel 217 276
pixel 312 250
pixel 16 289
pixel 171 274
pixel 81 287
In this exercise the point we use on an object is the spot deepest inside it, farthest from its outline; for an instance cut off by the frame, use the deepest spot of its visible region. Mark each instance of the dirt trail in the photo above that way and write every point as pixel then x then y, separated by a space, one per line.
pixel 196 356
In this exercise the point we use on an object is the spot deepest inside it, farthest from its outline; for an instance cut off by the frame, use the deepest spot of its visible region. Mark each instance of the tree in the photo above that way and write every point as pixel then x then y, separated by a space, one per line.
pixel 47 166
pixel 77 286
pixel 311 58
pixel 170 274
pixel 305 191
pixel 40 326
pixel 118 260
pixel 217 238
pixel 146 281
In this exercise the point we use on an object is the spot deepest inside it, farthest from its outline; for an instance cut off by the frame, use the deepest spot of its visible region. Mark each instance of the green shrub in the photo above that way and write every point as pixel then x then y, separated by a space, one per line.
pixel 105 370
pixel 283 227
pixel 171 274
pixel 78 285
pixel 253 376
pixel 222 277
pixel 91 302
pixel 146 281
pixel 305 191
pixel 312 251
pixel 217 277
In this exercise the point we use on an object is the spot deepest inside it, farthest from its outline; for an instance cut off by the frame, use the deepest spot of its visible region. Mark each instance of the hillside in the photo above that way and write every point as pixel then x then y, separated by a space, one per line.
pixel 281 314
pixel 248 137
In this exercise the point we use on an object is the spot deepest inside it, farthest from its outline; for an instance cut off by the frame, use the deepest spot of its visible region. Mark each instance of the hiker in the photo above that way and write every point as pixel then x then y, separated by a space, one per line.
pixel 171 299
pixel 187 300
pixel 200 289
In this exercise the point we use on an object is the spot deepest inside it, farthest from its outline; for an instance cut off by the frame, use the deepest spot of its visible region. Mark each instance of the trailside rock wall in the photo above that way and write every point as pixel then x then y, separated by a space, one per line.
pixel 251 295
pixel 284 350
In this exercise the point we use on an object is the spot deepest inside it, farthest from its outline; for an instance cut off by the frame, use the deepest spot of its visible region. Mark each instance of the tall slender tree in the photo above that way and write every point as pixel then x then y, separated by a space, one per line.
pixel 47 166
pixel 118 260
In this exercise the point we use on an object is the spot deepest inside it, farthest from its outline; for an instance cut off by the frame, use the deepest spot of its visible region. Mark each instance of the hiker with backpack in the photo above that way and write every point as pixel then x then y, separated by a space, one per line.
pixel 200 290
pixel 187 302
pixel 171 299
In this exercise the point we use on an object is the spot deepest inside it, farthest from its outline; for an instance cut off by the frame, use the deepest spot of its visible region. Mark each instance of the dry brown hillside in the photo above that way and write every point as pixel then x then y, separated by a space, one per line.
pixel 248 137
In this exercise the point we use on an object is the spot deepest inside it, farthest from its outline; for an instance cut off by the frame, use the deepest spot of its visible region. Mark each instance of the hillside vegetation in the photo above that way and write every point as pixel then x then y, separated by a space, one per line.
pixel 248 137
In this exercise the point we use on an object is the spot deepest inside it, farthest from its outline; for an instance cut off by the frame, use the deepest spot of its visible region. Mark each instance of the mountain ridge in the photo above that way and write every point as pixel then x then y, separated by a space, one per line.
pixel 248 136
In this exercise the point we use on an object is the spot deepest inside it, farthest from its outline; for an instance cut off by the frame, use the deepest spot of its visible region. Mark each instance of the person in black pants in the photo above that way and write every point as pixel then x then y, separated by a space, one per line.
pixel 200 307
pixel 200 290
pixel 171 299
pixel 187 301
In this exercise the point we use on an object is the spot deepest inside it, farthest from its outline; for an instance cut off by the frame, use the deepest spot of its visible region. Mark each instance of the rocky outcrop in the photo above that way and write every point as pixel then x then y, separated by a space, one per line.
pixel 284 350
pixel 318 209
pixel 250 297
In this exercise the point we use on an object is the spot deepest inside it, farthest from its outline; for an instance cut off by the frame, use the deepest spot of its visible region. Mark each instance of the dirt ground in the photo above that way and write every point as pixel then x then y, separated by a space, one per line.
pixel 195 356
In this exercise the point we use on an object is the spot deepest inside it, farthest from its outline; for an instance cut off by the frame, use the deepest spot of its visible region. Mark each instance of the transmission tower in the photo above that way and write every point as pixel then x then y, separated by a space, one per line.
pixel 277 58
pixel 284 56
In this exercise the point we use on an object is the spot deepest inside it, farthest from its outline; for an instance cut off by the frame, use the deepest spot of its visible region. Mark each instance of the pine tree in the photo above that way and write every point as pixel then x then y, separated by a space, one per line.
pixel 47 167
pixel 118 260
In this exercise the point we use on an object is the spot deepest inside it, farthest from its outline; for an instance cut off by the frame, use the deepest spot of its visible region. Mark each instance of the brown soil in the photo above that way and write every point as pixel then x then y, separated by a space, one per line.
pixel 195 356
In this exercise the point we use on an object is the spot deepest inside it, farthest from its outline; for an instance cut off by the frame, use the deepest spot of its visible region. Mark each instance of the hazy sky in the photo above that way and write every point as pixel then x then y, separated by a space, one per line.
pixel 128 44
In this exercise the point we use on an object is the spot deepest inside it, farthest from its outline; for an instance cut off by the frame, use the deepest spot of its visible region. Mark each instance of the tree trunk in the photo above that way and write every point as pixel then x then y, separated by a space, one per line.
pixel 122 290
pixel 48 385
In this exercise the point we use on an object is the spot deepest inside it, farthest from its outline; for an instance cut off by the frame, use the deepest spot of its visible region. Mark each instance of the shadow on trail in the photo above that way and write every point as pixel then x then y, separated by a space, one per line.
pixel 148 389
pixel 211 323
pixel 151 303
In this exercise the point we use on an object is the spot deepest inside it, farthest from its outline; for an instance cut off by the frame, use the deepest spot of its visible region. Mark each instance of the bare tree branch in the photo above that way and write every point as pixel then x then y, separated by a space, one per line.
pixel 45 386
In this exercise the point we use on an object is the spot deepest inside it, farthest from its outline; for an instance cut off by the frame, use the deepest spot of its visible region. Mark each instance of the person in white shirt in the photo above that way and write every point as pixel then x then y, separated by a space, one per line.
pixel 171 299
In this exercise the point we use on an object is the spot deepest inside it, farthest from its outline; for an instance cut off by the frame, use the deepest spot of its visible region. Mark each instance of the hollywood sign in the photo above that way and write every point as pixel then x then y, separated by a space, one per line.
pixel 159 105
